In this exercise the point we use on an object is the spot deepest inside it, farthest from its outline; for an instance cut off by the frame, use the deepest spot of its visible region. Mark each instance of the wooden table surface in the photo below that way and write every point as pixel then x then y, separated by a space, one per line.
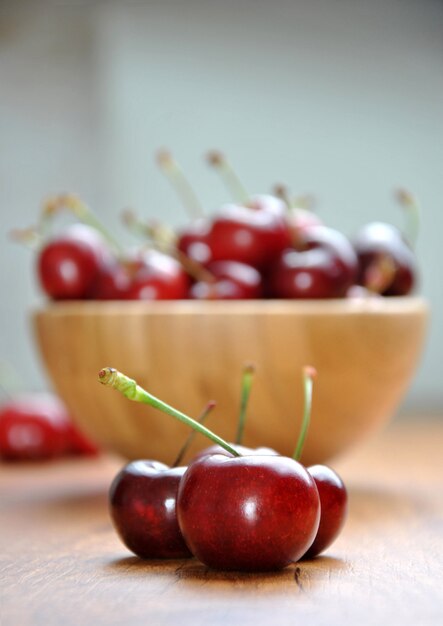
pixel 62 564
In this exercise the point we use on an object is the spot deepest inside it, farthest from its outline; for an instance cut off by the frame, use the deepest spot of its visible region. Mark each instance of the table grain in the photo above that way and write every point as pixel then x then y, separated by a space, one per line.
pixel 61 562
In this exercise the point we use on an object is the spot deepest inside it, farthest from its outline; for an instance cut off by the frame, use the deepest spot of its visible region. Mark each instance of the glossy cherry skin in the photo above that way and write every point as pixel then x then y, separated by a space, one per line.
pixel 234 281
pixel 250 236
pixel 377 240
pixel 68 266
pixel 160 277
pixel 142 502
pixel 34 426
pixel 325 268
pixel 251 513
pixel 334 507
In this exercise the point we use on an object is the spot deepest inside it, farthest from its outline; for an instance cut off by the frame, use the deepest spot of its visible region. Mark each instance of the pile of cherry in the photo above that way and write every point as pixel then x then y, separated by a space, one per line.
pixel 232 507
pixel 262 246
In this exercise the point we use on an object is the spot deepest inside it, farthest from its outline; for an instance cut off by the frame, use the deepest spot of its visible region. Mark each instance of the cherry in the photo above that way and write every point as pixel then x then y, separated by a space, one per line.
pixel 69 264
pixel 379 242
pixel 269 506
pixel 142 501
pixel 325 268
pixel 113 282
pixel 160 277
pixel 34 426
pixel 230 281
pixel 334 506
pixel 250 236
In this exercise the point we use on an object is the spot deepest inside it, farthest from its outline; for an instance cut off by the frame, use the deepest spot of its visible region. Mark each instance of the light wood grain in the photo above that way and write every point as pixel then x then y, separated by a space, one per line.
pixel 187 353
pixel 61 562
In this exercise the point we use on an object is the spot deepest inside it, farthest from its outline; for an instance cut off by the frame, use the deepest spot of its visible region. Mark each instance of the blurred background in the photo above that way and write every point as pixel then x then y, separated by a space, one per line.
pixel 340 99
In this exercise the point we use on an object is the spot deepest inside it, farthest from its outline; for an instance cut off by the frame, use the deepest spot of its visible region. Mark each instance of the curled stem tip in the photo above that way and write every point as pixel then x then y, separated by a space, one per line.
pixel 131 390
pixel 308 374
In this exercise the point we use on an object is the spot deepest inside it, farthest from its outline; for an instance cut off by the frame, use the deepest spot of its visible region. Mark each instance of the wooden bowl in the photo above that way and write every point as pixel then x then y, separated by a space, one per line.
pixel 187 352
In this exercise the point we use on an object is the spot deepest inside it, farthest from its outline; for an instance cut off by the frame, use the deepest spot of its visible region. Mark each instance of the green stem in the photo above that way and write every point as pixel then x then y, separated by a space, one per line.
pixel 248 375
pixel 230 178
pixel 201 420
pixel 129 388
pixel 413 219
pixel 180 183
pixel 308 375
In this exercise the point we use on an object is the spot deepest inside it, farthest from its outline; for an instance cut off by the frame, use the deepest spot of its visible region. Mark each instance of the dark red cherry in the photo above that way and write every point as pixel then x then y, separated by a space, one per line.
pixel 250 236
pixel 325 268
pixel 379 241
pixel 142 501
pixel 160 277
pixel 68 266
pixel 33 426
pixel 248 513
pixel 333 504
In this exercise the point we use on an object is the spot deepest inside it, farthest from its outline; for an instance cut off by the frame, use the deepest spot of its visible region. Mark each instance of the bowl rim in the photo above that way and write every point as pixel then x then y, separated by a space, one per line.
pixel 395 305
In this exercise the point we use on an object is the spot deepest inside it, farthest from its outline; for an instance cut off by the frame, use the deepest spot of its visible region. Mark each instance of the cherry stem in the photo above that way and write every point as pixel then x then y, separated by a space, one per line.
pixel 412 211
pixel 81 211
pixel 229 176
pixel 201 420
pixel 131 390
pixel 247 378
pixel 308 375
pixel 180 183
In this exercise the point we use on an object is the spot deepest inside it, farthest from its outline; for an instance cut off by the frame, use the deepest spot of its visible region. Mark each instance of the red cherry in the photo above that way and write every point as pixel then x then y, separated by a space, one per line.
pixel 113 282
pixel 326 268
pixel 142 501
pixel 69 265
pixel 33 426
pixel 251 513
pixel 160 277
pixel 250 236
pixel 378 241
pixel 334 507
pixel 233 281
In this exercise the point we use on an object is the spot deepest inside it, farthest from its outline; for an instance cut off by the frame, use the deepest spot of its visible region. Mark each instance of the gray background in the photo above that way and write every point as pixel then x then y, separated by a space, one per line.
pixel 342 98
